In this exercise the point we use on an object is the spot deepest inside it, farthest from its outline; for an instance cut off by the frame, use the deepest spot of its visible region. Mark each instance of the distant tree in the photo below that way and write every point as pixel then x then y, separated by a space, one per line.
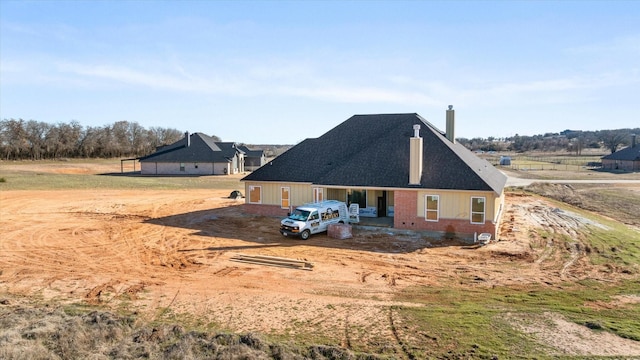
pixel 20 139
pixel 88 146
pixel 612 139
pixel 35 133
pixel 14 139
pixel 576 144
pixel 160 136
pixel 138 138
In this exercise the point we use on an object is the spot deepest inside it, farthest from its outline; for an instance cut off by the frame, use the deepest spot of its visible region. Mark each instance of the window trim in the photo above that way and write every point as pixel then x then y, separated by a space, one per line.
pixel 484 210
pixel 282 197
pixel 427 210
pixel 316 191
pixel 251 188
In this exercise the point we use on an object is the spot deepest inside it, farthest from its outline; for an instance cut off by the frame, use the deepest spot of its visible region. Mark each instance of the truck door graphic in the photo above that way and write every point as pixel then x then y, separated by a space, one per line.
pixel 315 220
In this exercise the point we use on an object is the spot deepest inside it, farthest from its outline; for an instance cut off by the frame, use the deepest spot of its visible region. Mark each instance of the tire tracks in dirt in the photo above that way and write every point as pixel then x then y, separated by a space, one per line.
pixel 394 331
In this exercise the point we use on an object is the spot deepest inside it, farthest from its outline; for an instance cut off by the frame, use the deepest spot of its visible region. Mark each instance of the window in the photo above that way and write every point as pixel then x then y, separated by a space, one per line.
pixel 255 194
pixel 318 195
pixel 181 166
pixel 284 197
pixel 477 210
pixel 432 207
pixel 358 197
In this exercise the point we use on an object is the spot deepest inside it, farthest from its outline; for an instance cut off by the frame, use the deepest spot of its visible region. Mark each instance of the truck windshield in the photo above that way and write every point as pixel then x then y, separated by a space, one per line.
pixel 300 215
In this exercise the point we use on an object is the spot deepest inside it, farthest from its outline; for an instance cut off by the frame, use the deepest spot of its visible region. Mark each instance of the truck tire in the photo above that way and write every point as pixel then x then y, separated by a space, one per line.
pixel 305 235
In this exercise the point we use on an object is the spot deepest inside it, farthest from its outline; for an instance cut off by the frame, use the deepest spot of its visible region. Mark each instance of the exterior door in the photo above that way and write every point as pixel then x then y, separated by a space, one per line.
pixel 382 204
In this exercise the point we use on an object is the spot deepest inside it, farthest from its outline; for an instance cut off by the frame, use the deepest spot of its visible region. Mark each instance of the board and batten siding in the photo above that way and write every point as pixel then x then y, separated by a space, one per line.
pixel 336 194
pixel 457 204
pixel 271 192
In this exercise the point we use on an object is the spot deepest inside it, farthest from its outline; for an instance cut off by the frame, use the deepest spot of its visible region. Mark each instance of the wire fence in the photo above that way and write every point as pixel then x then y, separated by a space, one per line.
pixel 538 163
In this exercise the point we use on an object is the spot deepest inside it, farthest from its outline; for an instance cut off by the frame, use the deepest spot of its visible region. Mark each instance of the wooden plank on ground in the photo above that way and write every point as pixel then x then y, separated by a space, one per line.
pixel 273 261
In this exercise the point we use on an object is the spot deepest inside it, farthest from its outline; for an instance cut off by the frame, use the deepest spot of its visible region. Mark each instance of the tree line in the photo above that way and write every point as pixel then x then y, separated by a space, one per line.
pixel 36 140
pixel 572 141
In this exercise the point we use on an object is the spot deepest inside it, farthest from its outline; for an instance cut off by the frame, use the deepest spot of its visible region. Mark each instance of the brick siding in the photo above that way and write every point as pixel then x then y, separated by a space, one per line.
pixel 406 203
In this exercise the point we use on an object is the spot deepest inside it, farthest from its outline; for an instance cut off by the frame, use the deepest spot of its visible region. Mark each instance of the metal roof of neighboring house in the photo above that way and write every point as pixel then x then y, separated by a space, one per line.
pixel 628 153
pixel 197 147
pixel 373 151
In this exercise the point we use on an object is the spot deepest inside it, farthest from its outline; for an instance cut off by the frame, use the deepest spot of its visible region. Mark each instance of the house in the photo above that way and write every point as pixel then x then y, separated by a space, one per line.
pixel 195 154
pixel 392 165
pixel 253 159
pixel 627 159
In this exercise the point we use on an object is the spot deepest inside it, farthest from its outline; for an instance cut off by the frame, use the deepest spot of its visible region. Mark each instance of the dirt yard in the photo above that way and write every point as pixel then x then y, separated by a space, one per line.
pixel 166 250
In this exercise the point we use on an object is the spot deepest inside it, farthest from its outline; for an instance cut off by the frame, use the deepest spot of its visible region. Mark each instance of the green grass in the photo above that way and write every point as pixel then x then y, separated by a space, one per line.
pixel 619 248
pixel 615 245
pixel 472 321
pixel 22 175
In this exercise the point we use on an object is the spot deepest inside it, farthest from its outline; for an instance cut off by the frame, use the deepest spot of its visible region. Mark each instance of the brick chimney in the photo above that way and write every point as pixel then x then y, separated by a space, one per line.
pixel 451 124
pixel 415 157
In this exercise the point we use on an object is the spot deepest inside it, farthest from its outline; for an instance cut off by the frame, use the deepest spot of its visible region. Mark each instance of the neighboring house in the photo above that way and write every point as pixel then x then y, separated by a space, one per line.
pixel 253 159
pixel 195 154
pixel 391 165
pixel 627 159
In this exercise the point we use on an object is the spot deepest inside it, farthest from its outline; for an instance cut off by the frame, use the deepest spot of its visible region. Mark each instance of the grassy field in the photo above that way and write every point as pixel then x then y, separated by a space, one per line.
pixel 458 321
pixel 553 166
pixel 79 174
pixel 475 321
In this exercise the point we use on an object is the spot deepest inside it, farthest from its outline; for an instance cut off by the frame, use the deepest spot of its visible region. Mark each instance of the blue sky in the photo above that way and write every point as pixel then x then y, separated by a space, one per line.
pixel 277 72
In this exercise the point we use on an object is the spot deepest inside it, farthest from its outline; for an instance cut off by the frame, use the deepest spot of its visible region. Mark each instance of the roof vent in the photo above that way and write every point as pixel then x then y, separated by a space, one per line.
pixel 416 131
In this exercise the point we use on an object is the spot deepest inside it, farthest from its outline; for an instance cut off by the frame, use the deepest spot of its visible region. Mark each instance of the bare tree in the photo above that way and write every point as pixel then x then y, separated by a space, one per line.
pixel 161 136
pixel 36 140
pixel 138 138
pixel 612 138
pixel 35 133
pixel 14 137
